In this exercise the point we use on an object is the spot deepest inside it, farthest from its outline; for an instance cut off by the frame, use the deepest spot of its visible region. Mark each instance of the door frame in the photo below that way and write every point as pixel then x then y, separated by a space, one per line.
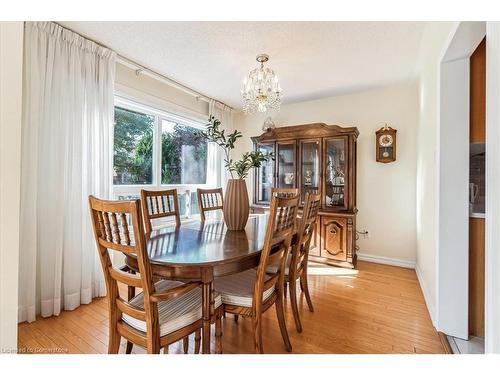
pixel 452 310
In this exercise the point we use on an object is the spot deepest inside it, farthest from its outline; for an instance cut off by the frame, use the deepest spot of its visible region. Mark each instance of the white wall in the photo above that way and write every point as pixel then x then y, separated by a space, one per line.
pixel 453 307
pixel 157 94
pixel 436 39
pixel 11 63
pixel 386 192
pixel 492 293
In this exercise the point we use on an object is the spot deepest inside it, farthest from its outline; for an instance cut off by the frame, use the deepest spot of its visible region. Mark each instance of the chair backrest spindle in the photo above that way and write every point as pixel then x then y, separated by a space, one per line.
pixel 284 192
pixel 209 200
pixel 154 207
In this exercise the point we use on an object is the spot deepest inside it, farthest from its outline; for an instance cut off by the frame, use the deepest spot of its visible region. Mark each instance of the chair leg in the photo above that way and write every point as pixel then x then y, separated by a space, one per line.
pixel 257 334
pixel 153 347
pixel 185 344
pixel 165 349
pixel 305 288
pixel 130 344
pixel 281 320
pixel 114 340
pixel 236 318
pixel 295 307
pixel 218 335
pixel 285 289
pixel 197 341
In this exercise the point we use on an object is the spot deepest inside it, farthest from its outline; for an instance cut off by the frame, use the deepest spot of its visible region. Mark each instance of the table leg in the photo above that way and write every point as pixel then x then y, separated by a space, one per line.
pixel 207 298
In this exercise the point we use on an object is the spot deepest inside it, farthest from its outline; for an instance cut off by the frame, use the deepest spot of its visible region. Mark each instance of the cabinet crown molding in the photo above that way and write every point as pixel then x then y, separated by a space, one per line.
pixel 314 130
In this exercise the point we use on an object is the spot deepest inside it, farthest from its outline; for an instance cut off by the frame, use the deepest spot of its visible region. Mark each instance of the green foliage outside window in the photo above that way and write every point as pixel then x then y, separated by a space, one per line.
pixel 183 157
pixel 133 148
pixel 177 168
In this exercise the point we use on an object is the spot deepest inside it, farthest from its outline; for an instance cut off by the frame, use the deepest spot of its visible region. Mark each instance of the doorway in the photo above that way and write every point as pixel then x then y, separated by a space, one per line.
pixel 458 105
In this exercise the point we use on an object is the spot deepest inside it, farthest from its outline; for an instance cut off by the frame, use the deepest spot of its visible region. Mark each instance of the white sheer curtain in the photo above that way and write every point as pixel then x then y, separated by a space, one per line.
pixel 217 174
pixel 66 141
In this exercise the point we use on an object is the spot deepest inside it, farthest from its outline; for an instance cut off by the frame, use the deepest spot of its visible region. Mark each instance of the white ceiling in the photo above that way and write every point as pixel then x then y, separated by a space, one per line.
pixel 312 59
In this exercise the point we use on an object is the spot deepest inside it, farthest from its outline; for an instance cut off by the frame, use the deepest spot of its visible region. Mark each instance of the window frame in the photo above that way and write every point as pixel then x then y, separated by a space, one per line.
pixel 159 115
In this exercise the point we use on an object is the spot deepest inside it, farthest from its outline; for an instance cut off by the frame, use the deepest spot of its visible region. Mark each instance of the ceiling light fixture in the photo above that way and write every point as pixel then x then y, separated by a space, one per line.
pixel 261 90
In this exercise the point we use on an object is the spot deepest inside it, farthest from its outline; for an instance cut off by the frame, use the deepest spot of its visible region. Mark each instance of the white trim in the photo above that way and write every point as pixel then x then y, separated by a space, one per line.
pixel 492 252
pixel 433 307
pixel 386 260
pixel 453 205
pixel 428 300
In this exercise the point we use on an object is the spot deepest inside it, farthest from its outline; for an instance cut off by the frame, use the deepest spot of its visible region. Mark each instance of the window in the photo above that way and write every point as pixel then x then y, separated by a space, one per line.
pixel 133 148
pixel 183 155
pixel 154 149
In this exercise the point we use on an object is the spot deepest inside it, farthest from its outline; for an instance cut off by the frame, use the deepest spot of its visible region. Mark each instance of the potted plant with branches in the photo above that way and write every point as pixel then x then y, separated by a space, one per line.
pixel 236 203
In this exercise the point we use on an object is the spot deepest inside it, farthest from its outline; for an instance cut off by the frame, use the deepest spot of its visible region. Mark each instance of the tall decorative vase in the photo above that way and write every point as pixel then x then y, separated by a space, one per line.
pixel 236 205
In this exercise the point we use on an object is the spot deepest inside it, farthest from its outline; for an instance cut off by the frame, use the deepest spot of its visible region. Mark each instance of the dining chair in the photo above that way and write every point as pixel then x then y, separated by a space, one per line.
pixel 159 204
pixel 252 292
pixel 296 267
pixel 164 312
pixel 284 192
pixel 209 200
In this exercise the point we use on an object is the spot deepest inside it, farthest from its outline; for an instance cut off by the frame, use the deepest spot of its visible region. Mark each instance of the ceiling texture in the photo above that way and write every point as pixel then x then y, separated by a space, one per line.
pixel 311 59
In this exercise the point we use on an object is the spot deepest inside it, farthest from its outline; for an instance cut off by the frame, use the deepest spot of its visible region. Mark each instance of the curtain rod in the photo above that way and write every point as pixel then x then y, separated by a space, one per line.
pixel 140 69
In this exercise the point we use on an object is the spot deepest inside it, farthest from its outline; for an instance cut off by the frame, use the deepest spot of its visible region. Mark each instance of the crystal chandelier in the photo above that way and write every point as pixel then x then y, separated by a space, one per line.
pixel 261 89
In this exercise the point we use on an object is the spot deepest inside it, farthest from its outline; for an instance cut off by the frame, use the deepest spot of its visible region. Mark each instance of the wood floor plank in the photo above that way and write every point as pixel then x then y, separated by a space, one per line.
pixel 380 309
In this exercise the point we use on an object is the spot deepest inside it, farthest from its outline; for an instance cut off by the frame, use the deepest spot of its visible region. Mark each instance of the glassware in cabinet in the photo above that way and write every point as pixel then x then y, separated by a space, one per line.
pixel 285 161
pixel 335 180
pixel 265 175
pixel 309 167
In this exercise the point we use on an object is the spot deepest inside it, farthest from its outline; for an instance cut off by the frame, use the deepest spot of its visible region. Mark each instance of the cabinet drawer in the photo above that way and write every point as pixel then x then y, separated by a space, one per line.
pixel 334 238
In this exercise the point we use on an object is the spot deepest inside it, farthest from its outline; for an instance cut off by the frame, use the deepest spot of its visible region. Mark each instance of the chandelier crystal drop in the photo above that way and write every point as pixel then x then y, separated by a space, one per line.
pixel 261 90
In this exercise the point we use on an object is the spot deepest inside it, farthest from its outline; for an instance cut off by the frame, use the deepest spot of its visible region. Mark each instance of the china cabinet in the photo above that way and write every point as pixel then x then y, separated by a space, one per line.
pixel 316 158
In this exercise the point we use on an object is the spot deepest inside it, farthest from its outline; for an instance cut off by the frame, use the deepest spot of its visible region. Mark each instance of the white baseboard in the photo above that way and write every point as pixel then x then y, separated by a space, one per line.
pixel 386 260
pixel 427 297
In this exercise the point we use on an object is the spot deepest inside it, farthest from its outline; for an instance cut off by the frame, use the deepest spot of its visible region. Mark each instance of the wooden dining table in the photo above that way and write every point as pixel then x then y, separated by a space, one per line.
pixel 202 251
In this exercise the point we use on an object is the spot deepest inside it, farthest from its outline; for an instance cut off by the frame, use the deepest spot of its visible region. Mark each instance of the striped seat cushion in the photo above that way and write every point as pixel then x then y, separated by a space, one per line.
pixel 238 289
pixel 173 314
pixel 274 268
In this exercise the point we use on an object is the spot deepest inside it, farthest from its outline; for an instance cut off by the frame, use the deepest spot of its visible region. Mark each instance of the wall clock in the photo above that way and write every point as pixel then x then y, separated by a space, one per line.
pixel 385 144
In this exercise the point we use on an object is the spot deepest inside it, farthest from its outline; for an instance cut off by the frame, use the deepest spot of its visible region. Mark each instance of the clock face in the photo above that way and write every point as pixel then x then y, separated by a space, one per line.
pixel 385 140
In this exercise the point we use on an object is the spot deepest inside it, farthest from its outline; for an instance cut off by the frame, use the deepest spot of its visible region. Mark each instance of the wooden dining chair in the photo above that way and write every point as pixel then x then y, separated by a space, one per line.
pixel 164 312
pixel 159 204
pixel 209 200
pixel 284 192
pixel 252 292
pixel 296 268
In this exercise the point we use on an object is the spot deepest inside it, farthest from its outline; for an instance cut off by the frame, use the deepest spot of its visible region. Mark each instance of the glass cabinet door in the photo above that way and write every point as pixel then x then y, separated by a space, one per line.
pixel 309 167
pixel 265 175
pixel 335 172
pixel 285 159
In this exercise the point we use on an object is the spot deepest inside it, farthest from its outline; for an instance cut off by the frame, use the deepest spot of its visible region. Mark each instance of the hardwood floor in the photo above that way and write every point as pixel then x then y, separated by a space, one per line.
pixel 379 310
